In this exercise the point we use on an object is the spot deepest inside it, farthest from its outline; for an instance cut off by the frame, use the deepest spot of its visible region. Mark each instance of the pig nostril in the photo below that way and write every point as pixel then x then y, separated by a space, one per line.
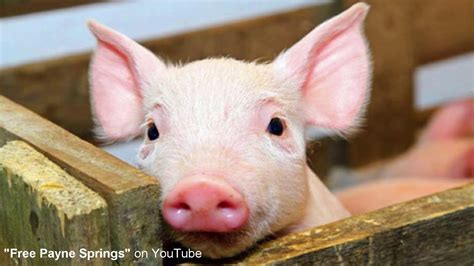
pixel 225 205
pixel 183 206
pixel 202 204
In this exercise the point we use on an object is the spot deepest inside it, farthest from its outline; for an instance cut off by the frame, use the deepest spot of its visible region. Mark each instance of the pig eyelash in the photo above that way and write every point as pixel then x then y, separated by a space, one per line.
pixel 149 121
pixel 144 126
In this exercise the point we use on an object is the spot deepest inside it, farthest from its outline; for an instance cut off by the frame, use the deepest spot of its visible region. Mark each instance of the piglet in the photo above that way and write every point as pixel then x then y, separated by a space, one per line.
pixel 226 138
pixel 442 158
pixel 444 149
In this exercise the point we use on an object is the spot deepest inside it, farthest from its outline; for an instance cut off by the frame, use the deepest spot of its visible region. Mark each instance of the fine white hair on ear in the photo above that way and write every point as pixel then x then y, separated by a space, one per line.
pixel 332 67
pixel 120 71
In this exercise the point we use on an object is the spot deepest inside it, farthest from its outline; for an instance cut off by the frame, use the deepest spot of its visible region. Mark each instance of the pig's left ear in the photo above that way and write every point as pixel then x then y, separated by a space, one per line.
pixel 120 72
pixel 332 68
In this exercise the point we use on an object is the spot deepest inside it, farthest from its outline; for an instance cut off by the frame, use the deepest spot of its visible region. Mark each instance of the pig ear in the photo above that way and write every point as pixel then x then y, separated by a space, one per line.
pixel 120 71
pixel 332 68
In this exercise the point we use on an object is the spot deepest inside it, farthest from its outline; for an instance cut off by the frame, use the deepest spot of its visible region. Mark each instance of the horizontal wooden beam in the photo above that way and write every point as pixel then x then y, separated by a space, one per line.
pixel 21 7
pixel 125 188
pixel 442 28
pixel 437 229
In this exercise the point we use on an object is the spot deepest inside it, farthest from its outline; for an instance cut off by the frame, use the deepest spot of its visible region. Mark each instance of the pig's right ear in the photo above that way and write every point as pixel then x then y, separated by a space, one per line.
pixel 331 69
pixel 120 71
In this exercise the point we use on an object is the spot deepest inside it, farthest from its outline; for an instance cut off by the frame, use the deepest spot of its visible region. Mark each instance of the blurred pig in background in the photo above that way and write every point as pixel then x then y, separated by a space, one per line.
pixel 443 158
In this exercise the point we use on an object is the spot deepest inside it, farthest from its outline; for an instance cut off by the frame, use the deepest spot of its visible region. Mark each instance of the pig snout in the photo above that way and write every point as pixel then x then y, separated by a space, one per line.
pixel 205 204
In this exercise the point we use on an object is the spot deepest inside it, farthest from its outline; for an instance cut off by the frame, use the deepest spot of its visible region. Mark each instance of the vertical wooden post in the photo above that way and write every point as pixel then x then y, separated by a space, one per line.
pixel 42 206
pixel 389 128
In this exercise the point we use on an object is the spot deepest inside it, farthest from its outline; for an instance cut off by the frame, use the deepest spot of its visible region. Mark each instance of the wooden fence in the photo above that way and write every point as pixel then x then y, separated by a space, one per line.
pixel 122 210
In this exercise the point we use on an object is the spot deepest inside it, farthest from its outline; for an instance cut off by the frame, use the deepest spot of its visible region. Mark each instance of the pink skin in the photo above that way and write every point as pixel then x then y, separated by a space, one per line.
pixel 445 147
pixel 378 194
pixel 212 116
pixel 438 159
pixel 464 166
pixel 456 120
pixel 205 204
pixel 443 158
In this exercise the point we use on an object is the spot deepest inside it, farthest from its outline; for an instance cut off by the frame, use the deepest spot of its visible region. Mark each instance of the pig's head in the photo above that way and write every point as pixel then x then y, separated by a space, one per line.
pixel 226 138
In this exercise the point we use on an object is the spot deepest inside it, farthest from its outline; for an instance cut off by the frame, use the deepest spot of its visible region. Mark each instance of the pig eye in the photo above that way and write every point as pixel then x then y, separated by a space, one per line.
pixel 276 126
pixel 153 132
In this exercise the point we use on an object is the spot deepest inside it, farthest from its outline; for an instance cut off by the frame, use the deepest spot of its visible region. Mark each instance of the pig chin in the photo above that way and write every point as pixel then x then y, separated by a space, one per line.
pixel 216 245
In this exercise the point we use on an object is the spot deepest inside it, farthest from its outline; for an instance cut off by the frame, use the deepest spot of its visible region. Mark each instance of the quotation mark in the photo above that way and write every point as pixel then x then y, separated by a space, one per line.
pixel 6 250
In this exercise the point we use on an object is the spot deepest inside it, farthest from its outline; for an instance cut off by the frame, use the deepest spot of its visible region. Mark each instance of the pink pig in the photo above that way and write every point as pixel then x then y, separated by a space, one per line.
pixel 226 138
pixel 443 158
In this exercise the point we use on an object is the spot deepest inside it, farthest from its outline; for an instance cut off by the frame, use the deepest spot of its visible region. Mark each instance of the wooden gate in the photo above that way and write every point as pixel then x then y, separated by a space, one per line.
pixel 59 191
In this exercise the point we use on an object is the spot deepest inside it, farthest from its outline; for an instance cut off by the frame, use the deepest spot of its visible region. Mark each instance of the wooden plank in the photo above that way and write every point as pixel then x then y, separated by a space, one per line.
pixel 389 127
pixel 434 230
pixel 44 207
pixel 442 28
pixel 21 7
pixel 58 89
pixel 132 196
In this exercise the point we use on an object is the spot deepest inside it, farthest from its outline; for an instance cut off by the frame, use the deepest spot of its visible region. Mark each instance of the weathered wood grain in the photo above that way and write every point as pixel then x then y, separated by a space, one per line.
pixel 41 206
pixel 21 7
pixel 442 28
pixel 132 196
pixel 433 230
